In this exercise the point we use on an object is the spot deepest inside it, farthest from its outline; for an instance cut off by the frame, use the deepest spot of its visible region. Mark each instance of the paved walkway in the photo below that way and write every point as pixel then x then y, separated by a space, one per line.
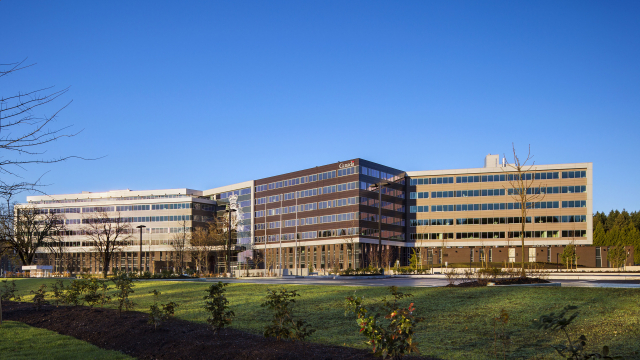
pixel 415 282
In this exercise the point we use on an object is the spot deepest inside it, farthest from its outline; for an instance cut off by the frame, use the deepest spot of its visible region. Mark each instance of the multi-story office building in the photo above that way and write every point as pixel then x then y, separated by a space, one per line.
pixel 166 215
pixel 479 208
pixel 328 212
pixel 324 217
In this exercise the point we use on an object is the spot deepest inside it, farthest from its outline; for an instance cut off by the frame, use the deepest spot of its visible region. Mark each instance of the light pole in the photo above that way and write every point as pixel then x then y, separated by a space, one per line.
pixel 140 253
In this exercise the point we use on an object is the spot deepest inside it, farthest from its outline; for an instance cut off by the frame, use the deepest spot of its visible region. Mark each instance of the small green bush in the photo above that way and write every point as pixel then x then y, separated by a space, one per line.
pixel 217 305
pixel 124 286
pixel 160 314
pixel 393 336
pixel 283 325
pixel 39 297
pixel 8 292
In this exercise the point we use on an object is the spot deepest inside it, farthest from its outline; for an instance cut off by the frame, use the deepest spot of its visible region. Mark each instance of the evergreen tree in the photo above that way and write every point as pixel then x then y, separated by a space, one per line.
pixel 611 219
pixel 599 236
pixel 635 219
pixel 599 218
pixel 622 220
pixel 631 236
pixel 613 236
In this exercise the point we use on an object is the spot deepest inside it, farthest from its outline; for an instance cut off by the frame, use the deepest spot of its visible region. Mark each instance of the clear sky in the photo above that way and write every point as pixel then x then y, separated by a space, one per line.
pixel 202 94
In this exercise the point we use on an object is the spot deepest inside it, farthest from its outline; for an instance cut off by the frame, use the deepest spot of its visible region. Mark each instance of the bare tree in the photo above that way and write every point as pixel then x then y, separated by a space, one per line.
pixel 180 242
pixel 58 253
pixel 107 236
pixel 523 191
pixel 203 242
pixel 26 229
pixel 23 134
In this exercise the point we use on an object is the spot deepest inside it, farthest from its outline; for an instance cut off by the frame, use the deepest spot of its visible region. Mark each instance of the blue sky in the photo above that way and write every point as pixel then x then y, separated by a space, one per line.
pixel 205 94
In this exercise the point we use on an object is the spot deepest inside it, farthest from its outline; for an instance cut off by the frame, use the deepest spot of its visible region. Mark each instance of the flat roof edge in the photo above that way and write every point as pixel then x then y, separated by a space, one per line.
pixel 498 169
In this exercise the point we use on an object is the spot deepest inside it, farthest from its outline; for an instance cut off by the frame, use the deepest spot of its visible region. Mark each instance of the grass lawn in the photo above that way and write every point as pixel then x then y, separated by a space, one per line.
pixel 458 322
pixel 23 342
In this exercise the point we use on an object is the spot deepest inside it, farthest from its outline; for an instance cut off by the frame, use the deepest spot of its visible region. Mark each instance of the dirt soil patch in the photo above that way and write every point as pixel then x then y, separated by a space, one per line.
pixel 175 339
pixel 512 281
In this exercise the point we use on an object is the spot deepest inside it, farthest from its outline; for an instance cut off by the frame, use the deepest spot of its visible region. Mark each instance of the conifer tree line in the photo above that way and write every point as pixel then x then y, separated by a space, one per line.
pixel 618 228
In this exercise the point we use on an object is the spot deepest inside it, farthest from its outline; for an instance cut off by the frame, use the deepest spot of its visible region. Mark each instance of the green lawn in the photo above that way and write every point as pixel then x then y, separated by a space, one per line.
pixel 459 321
pixel 22 342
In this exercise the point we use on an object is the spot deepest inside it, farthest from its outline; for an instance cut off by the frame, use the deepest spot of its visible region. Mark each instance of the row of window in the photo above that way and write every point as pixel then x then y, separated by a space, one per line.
pixel 551 190
pixel 499 206
pixel 307 193
pixel 82 232
pixel 379 174
pixel 337 203
pixel 240 192
pixel 499 192
pixel 138 219
pixel 296 181
pixel 498 235
pixel 127 198
pixel 385 190
pixel 327 175
pixel 205 207
pixel 329 204
pixel 309 235
pixel 308 221
pixel 392 220
pixel 499 177
pixel 498 220
pixel 386 234
pixel 385 204
pixel 347 171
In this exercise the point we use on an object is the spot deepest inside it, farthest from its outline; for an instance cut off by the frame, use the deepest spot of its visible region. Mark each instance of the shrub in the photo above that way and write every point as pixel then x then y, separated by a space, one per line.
pixel 573 349
pixel 283 325
pixel 124 286
pixel 9 291
pixel 217 306
pixel 157 315
pixel 393 336
pixel 96 292
pixel 452 275
pixel 39 297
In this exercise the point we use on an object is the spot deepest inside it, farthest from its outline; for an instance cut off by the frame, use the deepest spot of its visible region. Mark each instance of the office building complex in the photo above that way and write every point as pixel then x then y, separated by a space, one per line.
pixel 334 216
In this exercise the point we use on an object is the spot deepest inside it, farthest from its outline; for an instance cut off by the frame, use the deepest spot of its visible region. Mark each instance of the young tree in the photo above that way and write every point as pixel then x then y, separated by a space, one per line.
pixel 524 190
pixel 107 236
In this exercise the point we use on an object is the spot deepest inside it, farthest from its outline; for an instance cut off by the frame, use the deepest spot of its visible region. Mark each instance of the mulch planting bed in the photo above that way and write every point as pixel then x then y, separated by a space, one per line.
pixel 512 281
pixel 175 339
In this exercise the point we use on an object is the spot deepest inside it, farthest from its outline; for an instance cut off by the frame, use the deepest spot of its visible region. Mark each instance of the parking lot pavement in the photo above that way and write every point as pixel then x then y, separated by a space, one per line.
pixel 412 282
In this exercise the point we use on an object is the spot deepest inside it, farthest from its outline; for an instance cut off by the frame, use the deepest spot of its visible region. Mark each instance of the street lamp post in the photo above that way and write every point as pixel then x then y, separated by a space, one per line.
pixel 140 253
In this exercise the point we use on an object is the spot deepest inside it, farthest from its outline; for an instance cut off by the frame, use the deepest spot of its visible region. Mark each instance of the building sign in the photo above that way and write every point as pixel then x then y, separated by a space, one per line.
pixel 347 165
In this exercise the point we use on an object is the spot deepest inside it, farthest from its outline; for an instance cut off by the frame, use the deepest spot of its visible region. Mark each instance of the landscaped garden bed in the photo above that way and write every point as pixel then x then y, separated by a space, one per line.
pixel 459 321
pixel 177 339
